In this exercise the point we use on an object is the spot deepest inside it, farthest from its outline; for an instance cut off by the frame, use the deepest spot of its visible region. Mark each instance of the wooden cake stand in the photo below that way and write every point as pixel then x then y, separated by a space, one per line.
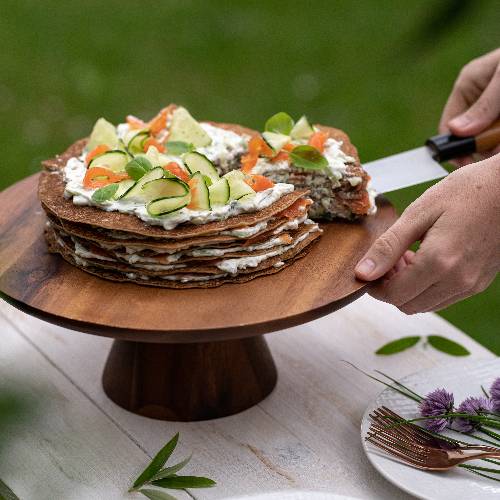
pixel 181 355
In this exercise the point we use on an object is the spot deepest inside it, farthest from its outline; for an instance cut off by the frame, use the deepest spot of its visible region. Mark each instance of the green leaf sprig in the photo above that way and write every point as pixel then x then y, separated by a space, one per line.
pixel 105 193
pixel 280 123
pixel 138 167
pixel 309 157
pixel 156 475
pixel 440 343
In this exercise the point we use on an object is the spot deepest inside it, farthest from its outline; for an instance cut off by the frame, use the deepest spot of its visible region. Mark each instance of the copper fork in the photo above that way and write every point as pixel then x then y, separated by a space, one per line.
pixel 384 416
pixel 413 445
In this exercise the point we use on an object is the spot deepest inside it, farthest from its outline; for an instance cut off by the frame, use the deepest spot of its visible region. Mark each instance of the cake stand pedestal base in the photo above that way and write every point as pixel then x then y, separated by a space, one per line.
pixel 189 382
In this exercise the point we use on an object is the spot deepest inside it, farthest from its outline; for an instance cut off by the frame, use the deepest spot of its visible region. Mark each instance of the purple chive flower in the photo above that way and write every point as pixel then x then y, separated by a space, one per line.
pixel 437 403
pixel 472 406
pixel 495 394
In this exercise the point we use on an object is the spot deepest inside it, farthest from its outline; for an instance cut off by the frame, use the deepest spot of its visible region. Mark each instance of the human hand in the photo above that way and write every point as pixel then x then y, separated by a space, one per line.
pixel 474 103
pixel 457 222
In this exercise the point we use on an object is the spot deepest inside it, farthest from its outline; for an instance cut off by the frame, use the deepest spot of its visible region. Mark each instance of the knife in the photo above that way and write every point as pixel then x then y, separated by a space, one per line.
pixel 423 164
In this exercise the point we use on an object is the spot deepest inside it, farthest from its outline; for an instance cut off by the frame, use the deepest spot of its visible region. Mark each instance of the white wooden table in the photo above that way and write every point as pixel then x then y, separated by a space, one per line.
pixel 77 444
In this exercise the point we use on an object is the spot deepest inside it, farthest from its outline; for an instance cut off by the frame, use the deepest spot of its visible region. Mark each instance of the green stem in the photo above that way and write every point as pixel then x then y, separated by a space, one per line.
pixel 485 420
pixel 484 469
pixel 386 384
pixel 490 433
pixel 470 468
pixel 401 385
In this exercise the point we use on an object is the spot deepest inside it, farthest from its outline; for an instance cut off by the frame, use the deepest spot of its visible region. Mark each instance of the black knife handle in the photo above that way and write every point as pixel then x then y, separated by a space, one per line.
pixel 448 146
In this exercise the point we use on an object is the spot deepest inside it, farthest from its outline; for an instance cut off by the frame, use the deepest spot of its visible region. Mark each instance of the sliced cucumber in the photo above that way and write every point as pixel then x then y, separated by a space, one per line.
pixel 123 186
pixel 219 192
pixel 135 193
pixel 196 162
pixel 240 188
pixel 303 129
pixel 115 161
pixel 183 127
pixel 200 195
pixel 164 206
pixel 234 175
pixel 276 141
pixel 102 133
pixel 136 142
pixel 165 188
pixel 121 146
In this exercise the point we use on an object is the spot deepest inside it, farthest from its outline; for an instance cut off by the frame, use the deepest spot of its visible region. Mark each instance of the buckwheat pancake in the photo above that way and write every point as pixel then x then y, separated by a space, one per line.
pixel 198 281
pixel 51 193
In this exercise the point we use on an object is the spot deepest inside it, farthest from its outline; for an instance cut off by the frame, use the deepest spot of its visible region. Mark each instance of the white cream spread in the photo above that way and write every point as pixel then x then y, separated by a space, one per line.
pixel 75 169
pixel 232 266
pixel 226 146
pixel 228 266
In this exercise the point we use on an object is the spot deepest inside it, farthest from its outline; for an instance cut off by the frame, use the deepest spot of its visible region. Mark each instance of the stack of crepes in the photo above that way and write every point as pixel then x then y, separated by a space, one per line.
pixel 269 231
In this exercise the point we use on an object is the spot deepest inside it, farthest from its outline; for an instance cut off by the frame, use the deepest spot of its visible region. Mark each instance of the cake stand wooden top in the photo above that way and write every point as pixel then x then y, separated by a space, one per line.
pixel 47 287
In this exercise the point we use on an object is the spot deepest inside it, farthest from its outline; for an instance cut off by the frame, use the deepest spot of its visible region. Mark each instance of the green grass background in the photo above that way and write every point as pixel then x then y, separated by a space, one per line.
pixel 380 70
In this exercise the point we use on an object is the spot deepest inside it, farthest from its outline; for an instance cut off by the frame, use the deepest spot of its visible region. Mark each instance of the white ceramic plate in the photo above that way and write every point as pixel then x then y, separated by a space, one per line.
pixel 293 495
pixel 463 378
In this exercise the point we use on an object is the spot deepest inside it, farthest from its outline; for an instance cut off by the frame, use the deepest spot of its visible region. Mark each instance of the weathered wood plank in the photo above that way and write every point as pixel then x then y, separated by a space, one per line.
pixel 65 447
pixel 305 435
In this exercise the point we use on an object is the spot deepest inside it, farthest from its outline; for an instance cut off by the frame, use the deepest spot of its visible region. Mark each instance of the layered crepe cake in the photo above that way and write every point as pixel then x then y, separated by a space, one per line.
pixel 166 203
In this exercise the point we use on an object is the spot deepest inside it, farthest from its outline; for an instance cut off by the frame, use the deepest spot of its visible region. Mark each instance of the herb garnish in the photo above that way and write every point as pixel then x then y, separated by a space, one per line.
pixel 138 167
pixel 438 412
pixel 309 157
pixel 166 477
pixel 105 193
pixel 280 123
pixel 440 343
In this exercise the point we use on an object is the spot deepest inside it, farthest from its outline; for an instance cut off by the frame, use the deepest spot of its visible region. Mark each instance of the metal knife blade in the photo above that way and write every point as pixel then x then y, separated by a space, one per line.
pixel 422 164
pixel 404 169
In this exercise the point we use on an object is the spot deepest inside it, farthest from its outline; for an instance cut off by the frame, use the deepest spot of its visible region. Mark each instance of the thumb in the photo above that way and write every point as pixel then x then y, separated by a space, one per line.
pixel 481 114
pixel 388 248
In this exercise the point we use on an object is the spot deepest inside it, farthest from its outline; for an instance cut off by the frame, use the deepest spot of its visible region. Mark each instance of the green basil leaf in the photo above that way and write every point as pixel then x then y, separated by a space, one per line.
pixel 156 494
pixel 280 123
pixel 398 345
pixel 180 482
pixel 137 167
pixel 169 471
pixel 142 161
pixel 446 345
pixel 307 157
pixel 179 147
pixel 135 172
pixel 105 193
pixel 158 462
pixel 6 493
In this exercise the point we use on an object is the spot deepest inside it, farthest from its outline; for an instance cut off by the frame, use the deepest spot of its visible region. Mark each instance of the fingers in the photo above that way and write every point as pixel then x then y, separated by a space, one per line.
pixel 482 113
pixel 473 103
pixel 389 248
pixel 441 295
pixel 408 285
